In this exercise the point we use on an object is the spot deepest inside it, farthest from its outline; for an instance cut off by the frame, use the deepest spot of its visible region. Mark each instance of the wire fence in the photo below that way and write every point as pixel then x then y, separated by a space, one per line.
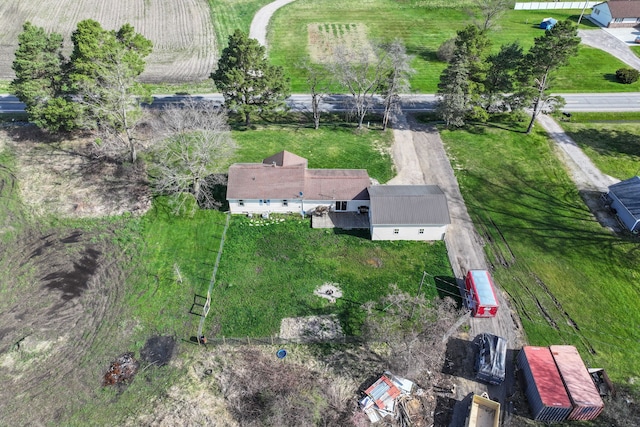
pixel 207 305
pixel 275 340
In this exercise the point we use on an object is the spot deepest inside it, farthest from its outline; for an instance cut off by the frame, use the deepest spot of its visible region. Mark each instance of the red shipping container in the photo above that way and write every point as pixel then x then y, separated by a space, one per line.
pixel 545 390
pixel 481 293
pixel 586 400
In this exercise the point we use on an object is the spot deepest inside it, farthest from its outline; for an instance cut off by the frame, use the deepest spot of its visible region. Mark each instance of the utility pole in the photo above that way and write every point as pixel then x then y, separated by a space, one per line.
pixel 583 9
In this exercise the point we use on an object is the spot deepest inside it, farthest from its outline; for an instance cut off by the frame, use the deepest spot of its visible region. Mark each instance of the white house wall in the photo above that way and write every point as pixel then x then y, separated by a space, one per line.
pixel 601 14
pixel 256 206
pixel 384 232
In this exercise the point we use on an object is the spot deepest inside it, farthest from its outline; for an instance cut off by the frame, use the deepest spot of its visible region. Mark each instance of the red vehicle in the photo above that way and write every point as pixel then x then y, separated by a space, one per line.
pixel 481 294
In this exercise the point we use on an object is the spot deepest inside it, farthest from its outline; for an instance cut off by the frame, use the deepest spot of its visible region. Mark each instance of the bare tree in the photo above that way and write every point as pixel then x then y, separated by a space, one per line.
pixel 398 65
pixel 112 106
pixel 413 328
pixel 318 81
pixel 489 12
pixel 196 144
pixel 361 71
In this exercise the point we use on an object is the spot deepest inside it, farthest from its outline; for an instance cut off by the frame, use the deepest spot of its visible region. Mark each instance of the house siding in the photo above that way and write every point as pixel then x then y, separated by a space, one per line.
pixel 623 213
pixel 386 232
pixel 601 14
pixel 254 206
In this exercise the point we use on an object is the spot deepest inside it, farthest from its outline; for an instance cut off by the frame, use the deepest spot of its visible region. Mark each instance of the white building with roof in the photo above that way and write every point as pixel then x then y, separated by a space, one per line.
pixel 283 183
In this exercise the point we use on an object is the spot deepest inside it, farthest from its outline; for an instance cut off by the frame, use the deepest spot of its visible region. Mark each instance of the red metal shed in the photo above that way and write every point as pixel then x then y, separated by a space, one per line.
pixel 586 400
pixel 481 294
pixel 545 391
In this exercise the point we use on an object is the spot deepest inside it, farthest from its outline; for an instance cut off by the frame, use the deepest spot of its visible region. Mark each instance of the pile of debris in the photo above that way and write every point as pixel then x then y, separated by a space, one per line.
pixel 122 370
pixel 393 396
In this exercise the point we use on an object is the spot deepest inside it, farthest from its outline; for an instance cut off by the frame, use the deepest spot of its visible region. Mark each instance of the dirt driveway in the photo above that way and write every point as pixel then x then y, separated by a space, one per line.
pixel 420 158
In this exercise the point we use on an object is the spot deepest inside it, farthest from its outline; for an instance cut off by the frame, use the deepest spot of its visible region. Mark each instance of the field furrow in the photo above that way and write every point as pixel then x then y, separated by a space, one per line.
pixel 181 31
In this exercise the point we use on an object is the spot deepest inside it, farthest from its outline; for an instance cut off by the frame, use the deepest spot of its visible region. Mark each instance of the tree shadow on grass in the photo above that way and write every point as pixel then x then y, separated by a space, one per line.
pixel 608 142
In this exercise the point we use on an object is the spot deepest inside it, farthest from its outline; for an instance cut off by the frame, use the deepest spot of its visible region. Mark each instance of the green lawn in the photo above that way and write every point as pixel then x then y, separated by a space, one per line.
pixel 423 30
pixel 553 259
pixel 330 146
pixel 270 268
pixel 610 140
pixel 229 15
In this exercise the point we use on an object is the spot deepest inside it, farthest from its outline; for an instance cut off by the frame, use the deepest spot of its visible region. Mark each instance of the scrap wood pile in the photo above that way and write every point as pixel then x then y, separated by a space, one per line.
pixel 122 370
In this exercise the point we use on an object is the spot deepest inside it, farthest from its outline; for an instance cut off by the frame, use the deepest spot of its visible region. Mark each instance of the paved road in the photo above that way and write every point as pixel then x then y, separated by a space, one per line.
pixel 575 102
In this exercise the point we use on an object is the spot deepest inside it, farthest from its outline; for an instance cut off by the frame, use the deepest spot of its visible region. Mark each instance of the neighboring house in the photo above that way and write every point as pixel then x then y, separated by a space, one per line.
pixel 282 183
pixel 408 212
pixel 624 198
pixel 617 13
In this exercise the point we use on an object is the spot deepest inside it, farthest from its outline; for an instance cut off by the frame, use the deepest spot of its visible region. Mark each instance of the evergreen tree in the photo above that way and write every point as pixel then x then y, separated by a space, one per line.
pixel 39 83
pixel 549 52
pixel 453 90
pixel 249 84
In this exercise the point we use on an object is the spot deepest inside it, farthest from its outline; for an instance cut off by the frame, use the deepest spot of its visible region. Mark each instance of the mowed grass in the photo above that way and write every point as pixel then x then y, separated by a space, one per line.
pixel 331 146
pixel 610 140
pixel 176 256
pixel 270 268
pixel 570 280
pixel 423 28
pixel 230 15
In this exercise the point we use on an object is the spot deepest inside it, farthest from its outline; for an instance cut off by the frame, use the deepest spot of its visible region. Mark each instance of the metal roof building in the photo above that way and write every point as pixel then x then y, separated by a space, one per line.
pixel 625 200
pixel 408 212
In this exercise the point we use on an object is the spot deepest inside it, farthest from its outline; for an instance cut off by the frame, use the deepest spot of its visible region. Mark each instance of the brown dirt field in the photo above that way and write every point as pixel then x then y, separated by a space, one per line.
pixel 59 290
pixel 184 43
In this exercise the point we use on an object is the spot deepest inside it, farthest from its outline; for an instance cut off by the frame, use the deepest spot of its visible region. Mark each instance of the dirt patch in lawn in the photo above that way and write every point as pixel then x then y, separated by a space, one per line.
pixel 61 295
pixel 311 328
pixel 324 38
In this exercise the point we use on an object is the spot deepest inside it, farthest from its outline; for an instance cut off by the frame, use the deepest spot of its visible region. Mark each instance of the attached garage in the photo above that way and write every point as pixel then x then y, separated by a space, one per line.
pixel 408 212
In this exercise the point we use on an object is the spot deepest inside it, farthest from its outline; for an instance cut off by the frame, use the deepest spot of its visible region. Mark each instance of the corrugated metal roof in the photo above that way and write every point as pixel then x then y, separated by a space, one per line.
pixel 575 375
pixel 384 393
pixel 408 205
pixel 546 376
pixel 624 8
pixel 628 192
pixel 285 176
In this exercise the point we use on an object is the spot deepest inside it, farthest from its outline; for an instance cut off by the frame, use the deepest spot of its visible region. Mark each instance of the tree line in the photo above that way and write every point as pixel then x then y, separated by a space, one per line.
pixel 96 89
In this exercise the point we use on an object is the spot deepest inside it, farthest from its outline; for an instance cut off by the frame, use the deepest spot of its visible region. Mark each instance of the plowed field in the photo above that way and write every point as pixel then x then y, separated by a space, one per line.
pixel 184 41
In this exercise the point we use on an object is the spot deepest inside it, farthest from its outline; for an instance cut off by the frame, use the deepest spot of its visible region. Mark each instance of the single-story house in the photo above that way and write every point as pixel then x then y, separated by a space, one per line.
pixel 408 212
pixel 283 183
pixel 624 198
pixel 617 13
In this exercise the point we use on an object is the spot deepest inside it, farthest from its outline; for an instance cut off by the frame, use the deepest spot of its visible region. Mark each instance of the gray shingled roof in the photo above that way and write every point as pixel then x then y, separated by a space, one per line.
pixel 408 205
pixel 628 192
pixel 285 176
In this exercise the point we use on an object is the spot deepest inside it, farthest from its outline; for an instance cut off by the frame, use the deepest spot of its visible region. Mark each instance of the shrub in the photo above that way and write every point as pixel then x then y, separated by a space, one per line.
pixel 446 49
pixel 627 75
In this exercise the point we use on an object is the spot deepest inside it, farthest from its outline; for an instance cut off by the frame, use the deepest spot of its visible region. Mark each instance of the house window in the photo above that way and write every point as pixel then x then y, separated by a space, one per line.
pixel 341 206
pixel 268 202
pixel 421 231
pixel 261 202
pixel 597 11
pixel 285 203
pixel 396 231
pixel 240 202
pixel 618 20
